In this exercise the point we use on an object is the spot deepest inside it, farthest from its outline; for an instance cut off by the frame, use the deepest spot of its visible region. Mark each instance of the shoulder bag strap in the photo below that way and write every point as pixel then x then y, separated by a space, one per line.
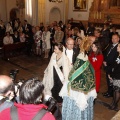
pixel 14 113
pixel 40 114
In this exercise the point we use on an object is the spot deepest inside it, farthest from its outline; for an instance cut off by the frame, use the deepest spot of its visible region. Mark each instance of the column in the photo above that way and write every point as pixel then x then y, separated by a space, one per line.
pixel 28 10
pixel 34 12
pixel 41 11
pixel 66 6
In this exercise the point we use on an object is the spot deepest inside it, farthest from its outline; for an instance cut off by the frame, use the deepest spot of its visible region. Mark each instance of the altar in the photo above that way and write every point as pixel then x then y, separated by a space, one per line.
pixel 101 13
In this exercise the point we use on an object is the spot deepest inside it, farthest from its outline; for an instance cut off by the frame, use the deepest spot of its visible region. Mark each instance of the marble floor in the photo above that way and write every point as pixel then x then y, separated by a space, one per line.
pixel 34 67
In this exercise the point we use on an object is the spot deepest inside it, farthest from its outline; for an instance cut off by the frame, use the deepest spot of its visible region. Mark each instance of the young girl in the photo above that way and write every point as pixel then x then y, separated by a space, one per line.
pixel 38 41
pixel 96 59
pixel 114 76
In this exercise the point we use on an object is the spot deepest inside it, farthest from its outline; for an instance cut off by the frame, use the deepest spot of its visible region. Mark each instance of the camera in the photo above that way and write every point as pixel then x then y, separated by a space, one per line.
pixel 50 102
pixel 47 100
pixel 52 107
pixel 13 74
pixel 17 84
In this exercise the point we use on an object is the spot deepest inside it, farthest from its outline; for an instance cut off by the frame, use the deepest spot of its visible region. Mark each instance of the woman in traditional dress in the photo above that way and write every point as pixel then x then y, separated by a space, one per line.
pixel 56 73
pixel 79 92
pixel 96 59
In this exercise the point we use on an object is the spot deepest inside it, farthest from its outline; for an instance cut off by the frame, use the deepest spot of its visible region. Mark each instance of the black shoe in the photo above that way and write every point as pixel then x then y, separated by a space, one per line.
pixel 107 96
pixel 113 108
pixel 106 93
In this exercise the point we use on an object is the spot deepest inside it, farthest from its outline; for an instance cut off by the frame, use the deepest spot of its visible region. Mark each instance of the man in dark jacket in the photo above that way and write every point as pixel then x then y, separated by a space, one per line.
pixel 109 59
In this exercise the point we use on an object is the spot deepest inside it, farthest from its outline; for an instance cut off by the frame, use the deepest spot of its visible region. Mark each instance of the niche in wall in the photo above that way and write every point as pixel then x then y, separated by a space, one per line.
pixel 55 15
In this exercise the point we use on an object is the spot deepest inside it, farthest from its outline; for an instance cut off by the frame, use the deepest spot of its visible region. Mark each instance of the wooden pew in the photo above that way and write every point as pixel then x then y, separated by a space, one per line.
pixel 12 50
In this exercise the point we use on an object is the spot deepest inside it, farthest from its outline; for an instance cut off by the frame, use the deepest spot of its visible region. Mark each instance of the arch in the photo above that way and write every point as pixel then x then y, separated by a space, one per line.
pixel 14 13
pixel 55 14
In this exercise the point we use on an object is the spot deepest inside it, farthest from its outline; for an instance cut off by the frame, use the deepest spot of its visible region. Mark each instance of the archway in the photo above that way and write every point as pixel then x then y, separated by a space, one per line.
pixel 55 15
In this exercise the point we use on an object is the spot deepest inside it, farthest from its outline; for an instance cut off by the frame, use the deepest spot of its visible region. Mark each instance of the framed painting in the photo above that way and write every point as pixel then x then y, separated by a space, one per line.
pixel 80 5
pixel 20 4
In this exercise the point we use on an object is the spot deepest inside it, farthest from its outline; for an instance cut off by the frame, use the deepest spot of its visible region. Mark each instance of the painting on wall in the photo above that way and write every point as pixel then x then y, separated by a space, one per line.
pixel 80 5
pixel 20 4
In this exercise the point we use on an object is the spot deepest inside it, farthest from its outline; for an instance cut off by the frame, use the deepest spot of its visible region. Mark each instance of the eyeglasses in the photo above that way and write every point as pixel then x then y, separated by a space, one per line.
pixel 70 44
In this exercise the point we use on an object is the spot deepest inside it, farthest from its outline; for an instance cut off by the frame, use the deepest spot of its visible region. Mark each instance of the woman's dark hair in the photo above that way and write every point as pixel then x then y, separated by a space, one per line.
pixel 98 46
pixel 98 30
pixel 31 91
pixel 78 39
pixel 60 46
pixel 7 33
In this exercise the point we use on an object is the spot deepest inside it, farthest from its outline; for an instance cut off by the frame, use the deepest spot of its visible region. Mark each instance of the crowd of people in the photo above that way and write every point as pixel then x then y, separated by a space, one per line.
pixel 73 75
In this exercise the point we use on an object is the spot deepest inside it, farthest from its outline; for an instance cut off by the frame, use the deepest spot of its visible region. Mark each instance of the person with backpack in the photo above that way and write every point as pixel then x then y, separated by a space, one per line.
pixel 30 106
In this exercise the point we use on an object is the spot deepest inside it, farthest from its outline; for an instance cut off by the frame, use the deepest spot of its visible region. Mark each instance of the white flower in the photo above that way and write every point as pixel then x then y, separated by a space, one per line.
pixel 118 60
pixel 94 59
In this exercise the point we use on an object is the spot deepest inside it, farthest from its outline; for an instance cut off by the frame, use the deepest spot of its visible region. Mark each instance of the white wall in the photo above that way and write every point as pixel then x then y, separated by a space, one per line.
pixel 3 14
pixel 5 8
pixel 78 15
pixel 49 6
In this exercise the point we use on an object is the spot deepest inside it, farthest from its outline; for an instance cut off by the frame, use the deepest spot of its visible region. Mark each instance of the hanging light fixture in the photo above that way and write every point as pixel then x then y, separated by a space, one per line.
pixel 57 1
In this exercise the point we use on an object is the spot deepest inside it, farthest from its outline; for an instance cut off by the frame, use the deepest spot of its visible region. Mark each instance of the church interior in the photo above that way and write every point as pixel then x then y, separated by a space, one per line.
pixel 80 13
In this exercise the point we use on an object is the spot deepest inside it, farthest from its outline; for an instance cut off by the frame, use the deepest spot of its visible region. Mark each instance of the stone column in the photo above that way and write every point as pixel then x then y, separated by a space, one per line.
pixel 28 10
pixel 34 12
pixel 41 11
pixel 66 7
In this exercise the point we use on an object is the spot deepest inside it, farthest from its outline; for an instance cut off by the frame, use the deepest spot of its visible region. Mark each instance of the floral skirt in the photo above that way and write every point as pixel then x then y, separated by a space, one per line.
pixel 70 111
pixel 116 85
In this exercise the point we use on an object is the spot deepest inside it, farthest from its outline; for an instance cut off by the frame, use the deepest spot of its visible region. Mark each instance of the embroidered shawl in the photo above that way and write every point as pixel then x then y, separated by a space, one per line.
pixel 81 77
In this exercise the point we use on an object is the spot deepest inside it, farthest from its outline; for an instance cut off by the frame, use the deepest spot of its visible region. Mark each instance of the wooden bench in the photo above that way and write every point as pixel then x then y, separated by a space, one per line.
pixel 12 50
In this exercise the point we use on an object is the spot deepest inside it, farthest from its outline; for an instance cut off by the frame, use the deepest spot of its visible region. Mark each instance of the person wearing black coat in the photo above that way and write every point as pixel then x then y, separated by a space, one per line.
pixel 114 76
pixel 16 37
pixel 109 58
pixel 52 32
pixel 112 33
pixel 27 27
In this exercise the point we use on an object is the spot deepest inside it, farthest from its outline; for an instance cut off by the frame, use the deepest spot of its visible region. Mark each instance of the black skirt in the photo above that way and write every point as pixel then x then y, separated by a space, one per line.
pixel 57 86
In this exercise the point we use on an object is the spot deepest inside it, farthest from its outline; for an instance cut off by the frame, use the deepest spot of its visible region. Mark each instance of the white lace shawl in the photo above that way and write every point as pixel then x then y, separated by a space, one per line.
pixel 48 73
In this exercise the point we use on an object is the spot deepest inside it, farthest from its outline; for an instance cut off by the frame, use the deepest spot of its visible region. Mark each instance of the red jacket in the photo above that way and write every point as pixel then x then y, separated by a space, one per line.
pixel 96 62
pixel 26 112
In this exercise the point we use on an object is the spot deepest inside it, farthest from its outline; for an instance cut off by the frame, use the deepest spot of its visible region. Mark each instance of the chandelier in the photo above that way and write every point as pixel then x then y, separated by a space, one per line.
pixel 57 1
